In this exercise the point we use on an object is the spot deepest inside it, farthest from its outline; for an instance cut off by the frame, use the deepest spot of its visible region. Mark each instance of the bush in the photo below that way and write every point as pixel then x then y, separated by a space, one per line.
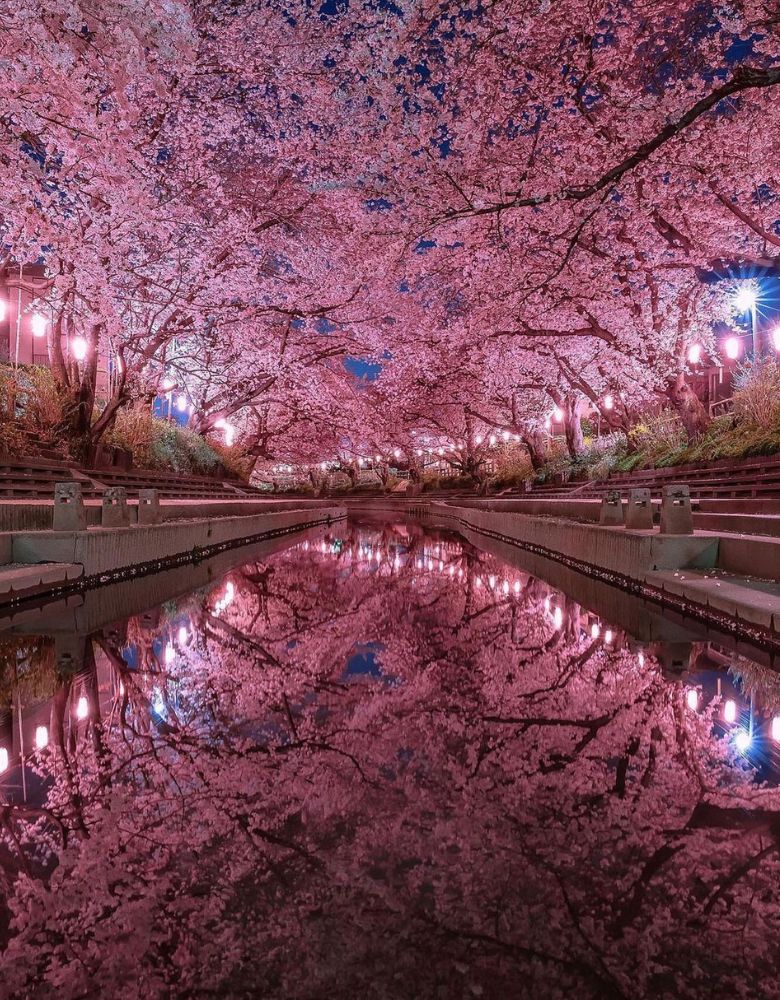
pixel 30 402
pixel 513 468
pixel 157 444
pixel 757 394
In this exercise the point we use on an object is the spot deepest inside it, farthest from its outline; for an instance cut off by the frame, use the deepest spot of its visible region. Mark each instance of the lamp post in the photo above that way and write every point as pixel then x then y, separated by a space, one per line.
pixel 745 301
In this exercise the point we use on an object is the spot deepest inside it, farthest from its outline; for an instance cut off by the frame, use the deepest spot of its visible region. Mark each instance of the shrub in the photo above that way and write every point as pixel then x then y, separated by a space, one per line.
pixel 30 401
pixel 513 468
pixel 157 444
pixel 757 394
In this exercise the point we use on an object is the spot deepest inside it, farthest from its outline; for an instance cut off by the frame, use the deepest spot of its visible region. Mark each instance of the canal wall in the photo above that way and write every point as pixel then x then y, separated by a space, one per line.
pixel 630 553
pixel 105 555
pixel 38 515
pixel 727 581
pixel 83 612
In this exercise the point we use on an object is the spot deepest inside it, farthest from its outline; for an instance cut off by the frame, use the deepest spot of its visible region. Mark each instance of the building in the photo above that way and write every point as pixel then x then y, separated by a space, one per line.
pixel 25 316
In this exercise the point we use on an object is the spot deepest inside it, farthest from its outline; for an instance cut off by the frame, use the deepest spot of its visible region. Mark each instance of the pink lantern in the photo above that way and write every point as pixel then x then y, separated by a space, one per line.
pixel 79 347
pixel 694 354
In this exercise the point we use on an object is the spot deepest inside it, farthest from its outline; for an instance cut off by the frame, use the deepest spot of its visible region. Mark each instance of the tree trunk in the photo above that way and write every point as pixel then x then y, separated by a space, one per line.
pixel 85 398
pixel 690 408
pixel 573 427
pixel 537 446
pixel 54 347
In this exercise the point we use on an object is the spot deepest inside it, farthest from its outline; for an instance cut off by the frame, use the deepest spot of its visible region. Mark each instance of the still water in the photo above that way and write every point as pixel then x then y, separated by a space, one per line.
pixel 380 762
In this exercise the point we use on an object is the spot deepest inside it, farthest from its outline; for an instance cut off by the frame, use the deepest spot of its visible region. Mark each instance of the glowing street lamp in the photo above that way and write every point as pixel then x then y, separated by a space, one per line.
pixel 742 740
pixel 41 737
pixel 731 347
pixel 776 729
pixel 79 348
pixel 558 415
pixel 82 708
pixel 609 402
pixel 745 301
pixel 730 711
pixel 694 354
pixel 2 319
pixel 745 298
pixel 181 403
pixel 3 759
pixel 776 338
pixel 38 325
pixel 692 699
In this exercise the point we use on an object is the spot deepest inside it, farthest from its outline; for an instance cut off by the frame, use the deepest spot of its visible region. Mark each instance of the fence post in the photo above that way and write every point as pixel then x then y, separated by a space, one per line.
pixel 676 512
pixel 69 512
pixel 116 513
pixel 611 508
pixel 639 513
pixel 149 507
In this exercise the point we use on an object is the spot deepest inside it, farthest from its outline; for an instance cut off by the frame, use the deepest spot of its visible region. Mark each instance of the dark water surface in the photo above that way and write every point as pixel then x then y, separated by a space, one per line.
pixel 383 763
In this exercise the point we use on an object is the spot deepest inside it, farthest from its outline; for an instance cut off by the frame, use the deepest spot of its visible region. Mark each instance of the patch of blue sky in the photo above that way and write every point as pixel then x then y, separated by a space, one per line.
pixel 378 205
pixel 363 662
pixel 363 368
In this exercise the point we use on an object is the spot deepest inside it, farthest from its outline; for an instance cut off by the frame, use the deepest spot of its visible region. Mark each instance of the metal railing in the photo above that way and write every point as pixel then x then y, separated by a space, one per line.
pixel 721 406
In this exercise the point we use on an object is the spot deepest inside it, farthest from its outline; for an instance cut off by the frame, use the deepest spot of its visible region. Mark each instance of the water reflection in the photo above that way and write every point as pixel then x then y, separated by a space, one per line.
pixel 382 763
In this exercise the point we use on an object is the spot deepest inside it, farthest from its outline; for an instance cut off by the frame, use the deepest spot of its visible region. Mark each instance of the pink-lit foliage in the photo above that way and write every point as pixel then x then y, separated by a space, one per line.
pixel 500 804
pixel 244 194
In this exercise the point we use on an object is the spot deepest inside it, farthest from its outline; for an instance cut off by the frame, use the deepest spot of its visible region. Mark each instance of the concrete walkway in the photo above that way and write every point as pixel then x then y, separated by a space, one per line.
pixel 755 601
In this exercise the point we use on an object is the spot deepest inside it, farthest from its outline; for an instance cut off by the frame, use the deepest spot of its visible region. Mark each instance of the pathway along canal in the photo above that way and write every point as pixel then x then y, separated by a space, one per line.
pixel 375 761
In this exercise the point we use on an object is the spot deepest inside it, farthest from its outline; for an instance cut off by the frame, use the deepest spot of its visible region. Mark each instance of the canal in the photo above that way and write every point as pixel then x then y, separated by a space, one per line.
pixel 379 759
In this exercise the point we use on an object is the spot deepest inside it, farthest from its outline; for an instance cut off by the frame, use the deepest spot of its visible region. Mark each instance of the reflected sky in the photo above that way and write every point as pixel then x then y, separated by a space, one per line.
pixel 383 763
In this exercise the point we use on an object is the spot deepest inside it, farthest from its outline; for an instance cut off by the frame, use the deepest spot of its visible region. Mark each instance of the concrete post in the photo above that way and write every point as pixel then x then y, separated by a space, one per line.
pixel 69 512
pixel 676 513
pixel 611 508
pixel 639 513
pixel 149 507
pixel 116 513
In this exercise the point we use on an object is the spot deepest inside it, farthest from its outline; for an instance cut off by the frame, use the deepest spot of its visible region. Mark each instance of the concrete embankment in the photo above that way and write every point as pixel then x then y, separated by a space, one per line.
pixel 39 562
pixel 82 612
pixel 726 580
pixel 38 515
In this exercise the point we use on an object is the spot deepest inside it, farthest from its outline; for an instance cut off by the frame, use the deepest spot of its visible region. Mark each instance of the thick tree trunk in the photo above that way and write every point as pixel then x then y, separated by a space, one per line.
pixel 54 348
pixel 85 398
pixel 572 426
pixel 536 444
pixel 690 408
